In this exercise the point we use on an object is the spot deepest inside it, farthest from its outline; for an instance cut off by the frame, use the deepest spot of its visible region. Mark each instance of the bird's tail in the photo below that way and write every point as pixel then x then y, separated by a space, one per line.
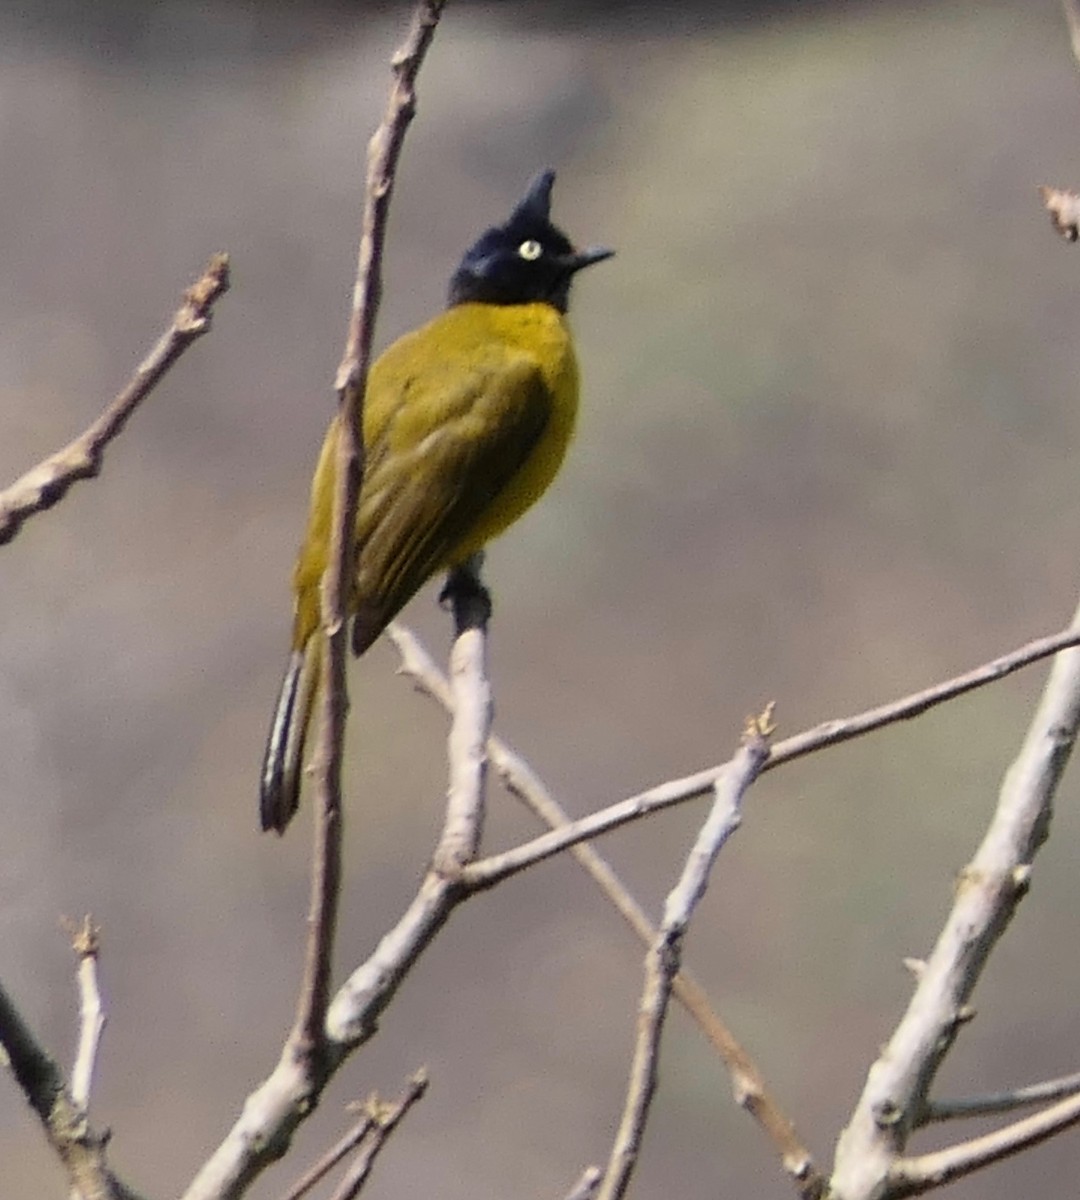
pixel 283 763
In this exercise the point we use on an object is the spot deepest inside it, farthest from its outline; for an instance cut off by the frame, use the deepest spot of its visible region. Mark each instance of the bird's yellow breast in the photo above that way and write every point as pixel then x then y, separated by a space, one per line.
pixel 486 340
pixel 439 401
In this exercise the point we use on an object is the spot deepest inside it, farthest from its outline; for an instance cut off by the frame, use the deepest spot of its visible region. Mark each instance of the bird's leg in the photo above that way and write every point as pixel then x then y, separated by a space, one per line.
pixel 465 595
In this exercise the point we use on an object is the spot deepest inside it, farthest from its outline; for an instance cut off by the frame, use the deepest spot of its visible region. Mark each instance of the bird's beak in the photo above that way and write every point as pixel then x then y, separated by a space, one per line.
pixel 588 256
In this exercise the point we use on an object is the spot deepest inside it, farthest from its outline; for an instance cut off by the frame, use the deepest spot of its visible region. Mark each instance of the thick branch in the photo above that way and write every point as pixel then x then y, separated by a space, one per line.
pixel 987 895
pixel 473 711
pixel 47 483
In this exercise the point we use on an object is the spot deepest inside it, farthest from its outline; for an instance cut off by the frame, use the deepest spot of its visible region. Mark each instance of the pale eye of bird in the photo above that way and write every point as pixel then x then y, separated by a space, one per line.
pixel 530 250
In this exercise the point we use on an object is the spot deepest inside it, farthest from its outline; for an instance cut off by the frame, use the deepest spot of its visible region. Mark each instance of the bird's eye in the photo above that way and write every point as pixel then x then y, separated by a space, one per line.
pixel 531 250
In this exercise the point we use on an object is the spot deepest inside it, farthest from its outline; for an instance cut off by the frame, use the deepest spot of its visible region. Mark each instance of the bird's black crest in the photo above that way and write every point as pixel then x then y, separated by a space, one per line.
pixel 527 259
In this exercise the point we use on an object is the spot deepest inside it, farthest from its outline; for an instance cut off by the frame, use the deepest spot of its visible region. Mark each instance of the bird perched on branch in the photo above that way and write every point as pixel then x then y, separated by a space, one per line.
pixel 466 421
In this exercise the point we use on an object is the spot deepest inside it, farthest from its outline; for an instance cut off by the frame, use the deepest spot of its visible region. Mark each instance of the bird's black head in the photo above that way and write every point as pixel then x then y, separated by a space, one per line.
pixel 525 260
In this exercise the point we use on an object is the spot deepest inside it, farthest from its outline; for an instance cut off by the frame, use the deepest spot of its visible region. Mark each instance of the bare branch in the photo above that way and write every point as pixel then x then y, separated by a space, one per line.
pixel 86 942
pixel 662 960
pixel 910 1176
pixel 319 1170
pixel 385 1118
pixel 47 483
pixel 833 733
pixel 988 893
pixel 471 727
pixel 585 1188
pixel 489 871
pixel 384 151
pixel 80 1148
pixel 366 993
pixel 521 781
pixel 312 1054
pixel 999 1102
pixel 375 1125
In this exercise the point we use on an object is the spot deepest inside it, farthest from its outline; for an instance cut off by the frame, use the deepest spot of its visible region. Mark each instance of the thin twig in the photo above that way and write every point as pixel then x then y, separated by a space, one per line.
pixel 319 1170
pixel 748 1083
pixel 47 483
pixel 385 1118
pixel 832 733
pixel 990 888
pixel 662 960
pixel 1000 1102
pixel 585 1188
pixel 79 1147
pixel 384 151
pixel 312 1053
pixel 910 1176
pixel 86 942
pixel 487 872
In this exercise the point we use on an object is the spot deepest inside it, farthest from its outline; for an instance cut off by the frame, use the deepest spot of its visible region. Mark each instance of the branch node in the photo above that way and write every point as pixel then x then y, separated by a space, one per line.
pixel 761 727
pixel 85 936
pixel 887 1114
pixel 1021 879
pixel 1064 209
pixel 963 1016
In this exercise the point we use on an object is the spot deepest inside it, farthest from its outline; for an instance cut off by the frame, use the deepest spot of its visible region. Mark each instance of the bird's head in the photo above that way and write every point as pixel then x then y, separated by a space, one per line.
pixel 526 259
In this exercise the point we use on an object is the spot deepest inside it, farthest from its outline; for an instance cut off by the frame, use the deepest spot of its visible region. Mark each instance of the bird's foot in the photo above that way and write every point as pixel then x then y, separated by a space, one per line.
pixel 465 595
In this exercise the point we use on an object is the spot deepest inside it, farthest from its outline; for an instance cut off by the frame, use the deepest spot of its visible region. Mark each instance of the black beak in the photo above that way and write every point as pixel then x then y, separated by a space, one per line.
pixel 586 257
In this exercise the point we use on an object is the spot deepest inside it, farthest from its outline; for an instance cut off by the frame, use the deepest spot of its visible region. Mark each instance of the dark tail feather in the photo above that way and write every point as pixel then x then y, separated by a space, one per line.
pixel 283 763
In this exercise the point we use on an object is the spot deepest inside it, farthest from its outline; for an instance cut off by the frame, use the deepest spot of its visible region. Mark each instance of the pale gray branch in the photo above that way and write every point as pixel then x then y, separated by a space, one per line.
pixel 471 727
pixel 78 1146
pixel 987 894
pixel 86 942
pixel 662 960
pixel 910 1176
pixel 489 871
pixel 1000 1102
pixel 521 781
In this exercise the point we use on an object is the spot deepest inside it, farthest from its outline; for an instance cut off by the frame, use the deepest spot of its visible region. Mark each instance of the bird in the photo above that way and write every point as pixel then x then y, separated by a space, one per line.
pixel 466 422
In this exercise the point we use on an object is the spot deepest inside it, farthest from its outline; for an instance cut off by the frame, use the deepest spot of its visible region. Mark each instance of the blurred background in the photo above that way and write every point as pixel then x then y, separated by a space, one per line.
pixel 828 454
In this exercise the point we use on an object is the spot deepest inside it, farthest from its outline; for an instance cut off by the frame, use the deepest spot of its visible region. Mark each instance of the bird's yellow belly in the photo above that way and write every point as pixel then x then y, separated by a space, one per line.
pixel 535 475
